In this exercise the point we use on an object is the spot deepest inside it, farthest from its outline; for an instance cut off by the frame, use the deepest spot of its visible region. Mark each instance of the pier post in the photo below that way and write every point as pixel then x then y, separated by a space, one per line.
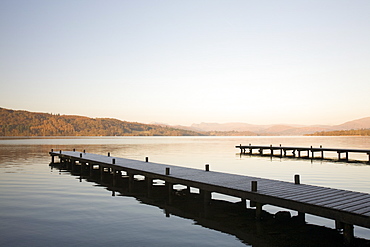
pixel 146 159
pixel 91 169
pixel 259 211
pixel 338 225
pixel 108 154
pixel 253 189
pixel 52 159
pixel 271 151
pixel 281 151
pixel 346 156
pixel 130 181
pixel 113 161
pixel 82 166
pixel 167 171
pixel 73 164
pixel 206 195
pixel 254 186
pixel 170 191
pixel 301 216
pixel 297 179
pixel 243 202
pixel 348 233
pixel 339 155
pixel 149 185
pixel 207 167
pixel 322 153
pixel 101 168
pixel 114 177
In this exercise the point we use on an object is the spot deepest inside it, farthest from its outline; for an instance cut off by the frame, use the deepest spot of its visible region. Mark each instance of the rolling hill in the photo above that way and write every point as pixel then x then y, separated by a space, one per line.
pixel 24 123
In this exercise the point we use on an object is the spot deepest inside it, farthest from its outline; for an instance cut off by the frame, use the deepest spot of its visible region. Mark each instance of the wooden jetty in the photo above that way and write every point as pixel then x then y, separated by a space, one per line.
pixel 232 218
pixel 300 151
pixel 346 208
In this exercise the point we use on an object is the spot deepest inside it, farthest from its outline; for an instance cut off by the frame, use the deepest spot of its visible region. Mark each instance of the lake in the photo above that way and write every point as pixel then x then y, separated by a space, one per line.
pixel 44 206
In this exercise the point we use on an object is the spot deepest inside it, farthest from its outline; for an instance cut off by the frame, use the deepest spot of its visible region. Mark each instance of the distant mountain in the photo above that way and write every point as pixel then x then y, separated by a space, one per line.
pixel 279 129
pixel 358 127
pixel 362 123
pixel 24 123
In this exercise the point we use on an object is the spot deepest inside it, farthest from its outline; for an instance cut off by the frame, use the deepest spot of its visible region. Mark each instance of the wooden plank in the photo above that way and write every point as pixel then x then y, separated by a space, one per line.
pixel 348 201
pixel 332 200
pixel 357 207
pixel 365 213
pixel 316 198
pixel 292 195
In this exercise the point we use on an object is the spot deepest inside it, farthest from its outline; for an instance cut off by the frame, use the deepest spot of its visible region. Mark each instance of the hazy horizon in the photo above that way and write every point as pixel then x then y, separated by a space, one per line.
pixel 185 62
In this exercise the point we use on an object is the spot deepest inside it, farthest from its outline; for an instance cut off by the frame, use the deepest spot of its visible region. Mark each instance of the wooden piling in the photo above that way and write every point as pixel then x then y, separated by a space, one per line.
pixel 348 234
pixel 254 186
pixel 207 167
pixel 297 179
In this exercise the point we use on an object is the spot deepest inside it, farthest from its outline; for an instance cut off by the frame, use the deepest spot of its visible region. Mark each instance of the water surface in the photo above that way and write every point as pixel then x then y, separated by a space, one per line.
pixel 40 206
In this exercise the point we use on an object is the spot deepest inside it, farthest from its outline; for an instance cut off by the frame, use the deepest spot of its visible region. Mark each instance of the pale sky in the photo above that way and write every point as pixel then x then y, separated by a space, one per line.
pixel 184 62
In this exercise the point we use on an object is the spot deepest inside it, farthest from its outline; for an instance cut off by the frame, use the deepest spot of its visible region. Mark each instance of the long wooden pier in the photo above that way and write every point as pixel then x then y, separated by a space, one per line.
pixel 301 151
pixel 347 208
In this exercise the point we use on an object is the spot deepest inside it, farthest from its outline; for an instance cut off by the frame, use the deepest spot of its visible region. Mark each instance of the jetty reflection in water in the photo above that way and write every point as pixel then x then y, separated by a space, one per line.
pixel 232 218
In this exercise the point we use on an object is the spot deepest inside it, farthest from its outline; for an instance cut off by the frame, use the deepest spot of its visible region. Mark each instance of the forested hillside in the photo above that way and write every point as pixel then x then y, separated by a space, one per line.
pixel 24 123
pixel 353 132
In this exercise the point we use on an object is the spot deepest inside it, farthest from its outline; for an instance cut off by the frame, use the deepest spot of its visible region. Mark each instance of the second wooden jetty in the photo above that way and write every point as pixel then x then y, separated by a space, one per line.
pixel 347 208
pixel 299 152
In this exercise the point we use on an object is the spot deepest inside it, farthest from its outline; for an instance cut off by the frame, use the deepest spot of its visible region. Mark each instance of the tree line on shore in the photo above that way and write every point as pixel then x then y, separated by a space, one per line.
pixel 24 123
pixel 352 132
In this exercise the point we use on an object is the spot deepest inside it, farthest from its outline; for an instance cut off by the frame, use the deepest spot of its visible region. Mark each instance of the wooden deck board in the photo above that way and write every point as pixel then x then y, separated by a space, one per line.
pixel 355 200
pixel 333 200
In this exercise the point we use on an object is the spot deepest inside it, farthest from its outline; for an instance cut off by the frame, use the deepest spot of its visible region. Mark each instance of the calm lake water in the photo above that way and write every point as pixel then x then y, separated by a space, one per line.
pixel 43 206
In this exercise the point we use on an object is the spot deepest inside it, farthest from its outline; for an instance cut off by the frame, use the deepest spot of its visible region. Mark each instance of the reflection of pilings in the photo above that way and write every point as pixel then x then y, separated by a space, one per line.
pixel 118 183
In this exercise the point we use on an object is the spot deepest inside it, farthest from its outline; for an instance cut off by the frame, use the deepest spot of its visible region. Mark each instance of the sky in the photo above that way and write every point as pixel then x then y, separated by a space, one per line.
pixel 184 62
